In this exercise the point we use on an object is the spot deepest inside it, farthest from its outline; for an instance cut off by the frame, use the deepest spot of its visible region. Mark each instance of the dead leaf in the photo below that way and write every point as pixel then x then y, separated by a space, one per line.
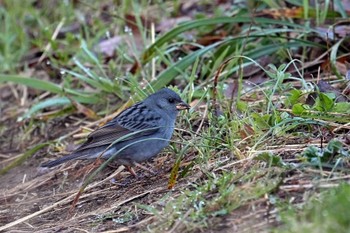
pixel 108 46
pixel 167 24
pixel 334 33
pixel 246 131
pixel 131 22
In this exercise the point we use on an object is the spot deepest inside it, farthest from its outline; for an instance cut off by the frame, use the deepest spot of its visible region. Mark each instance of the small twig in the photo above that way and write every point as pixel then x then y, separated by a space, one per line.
pixel 80 229
pixel 142 222
pixel 53 37
pixel 136 197
pixel 122 229
pixel 233 163
pixel 105 210
pixel 202 120
pixel 346 126
pixel 216 80
pixel 4 156
pixel 306 186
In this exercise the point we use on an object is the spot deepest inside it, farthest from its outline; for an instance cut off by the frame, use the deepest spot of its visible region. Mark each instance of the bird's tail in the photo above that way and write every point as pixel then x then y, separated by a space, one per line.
pixel 63 159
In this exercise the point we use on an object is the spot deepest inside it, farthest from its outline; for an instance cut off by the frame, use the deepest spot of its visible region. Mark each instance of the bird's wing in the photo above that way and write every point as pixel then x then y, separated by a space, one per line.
pixel 118 127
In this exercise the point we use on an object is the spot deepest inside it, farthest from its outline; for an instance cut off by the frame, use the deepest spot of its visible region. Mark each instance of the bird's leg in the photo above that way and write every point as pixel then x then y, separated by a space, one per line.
pixel 132 172
pixel 97 162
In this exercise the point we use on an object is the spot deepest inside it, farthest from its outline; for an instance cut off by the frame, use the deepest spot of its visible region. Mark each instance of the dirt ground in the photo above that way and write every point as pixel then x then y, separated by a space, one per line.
pixel 34 199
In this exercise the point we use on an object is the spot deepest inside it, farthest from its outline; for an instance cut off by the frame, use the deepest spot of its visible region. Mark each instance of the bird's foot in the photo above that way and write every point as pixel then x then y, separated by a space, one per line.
pixel 131 170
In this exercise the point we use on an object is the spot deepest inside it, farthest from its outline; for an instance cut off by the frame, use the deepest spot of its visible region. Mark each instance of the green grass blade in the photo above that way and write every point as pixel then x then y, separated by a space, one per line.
pixel 23 157
pixel 53 102
pixel 169 74
pixel 169 36
pixel 32 82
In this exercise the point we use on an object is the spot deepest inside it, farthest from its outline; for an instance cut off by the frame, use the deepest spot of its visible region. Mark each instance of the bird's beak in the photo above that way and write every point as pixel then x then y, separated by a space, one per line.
pixel 182 106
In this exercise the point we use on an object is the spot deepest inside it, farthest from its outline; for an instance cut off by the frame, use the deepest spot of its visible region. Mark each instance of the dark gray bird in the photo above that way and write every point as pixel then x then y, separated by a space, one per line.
pixel 146 128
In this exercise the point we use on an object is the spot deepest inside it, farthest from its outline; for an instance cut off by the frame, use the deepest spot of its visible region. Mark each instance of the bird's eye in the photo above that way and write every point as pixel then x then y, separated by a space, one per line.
pixel 171 100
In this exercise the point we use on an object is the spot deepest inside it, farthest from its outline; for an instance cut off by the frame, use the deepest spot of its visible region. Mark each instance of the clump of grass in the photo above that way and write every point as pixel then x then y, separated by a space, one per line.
pixel 218 195
pixel 13 41
pixel 325 212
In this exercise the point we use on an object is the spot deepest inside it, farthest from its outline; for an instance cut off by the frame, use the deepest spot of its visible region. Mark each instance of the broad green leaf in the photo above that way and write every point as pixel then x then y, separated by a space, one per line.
pixel 324 102
pixel 298 109
pixel 293 97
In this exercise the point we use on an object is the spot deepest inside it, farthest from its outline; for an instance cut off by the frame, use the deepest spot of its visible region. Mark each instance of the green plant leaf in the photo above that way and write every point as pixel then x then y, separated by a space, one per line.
pixel 298 109
pixel 324 102
pixel 271 159
pixel 293 97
